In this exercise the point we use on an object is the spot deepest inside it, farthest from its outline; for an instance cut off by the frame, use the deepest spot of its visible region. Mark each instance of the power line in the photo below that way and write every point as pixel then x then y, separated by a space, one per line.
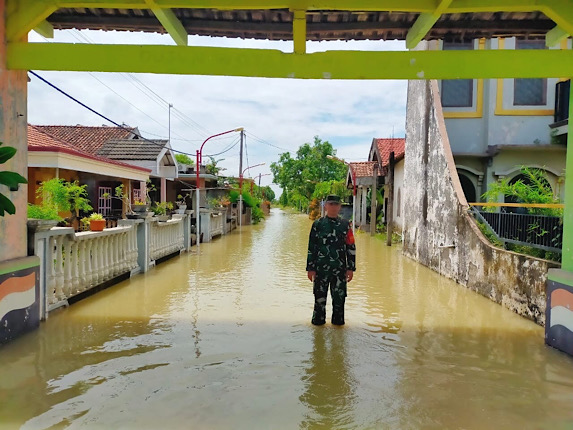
pixel 267 143
pixel 100 114
pixel 226 149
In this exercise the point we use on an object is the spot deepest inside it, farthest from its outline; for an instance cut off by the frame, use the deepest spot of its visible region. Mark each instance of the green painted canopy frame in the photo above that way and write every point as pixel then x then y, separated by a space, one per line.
pixel 25 15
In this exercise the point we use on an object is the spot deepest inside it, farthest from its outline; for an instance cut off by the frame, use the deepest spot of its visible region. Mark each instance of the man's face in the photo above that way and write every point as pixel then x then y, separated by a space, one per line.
pixel 332 209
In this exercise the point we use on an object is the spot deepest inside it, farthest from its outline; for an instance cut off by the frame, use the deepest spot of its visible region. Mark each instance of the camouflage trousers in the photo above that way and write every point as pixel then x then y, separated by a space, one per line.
pixel 336 280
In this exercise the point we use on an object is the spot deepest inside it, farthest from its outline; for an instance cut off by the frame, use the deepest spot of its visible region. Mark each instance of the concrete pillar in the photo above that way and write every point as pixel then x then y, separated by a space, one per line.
pixel 558 312
pixel 363 207
pixel 13 132
pixel 163 190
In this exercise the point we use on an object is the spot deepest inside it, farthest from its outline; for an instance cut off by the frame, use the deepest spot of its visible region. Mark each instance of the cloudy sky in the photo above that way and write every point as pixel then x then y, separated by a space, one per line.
pixel 278 114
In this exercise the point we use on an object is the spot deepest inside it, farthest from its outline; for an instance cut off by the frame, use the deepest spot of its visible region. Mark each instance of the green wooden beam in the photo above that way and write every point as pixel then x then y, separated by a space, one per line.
pixel 169 22
pixel 45 29
pixel 424 24
pixel 299 31
pixel 567 256
pixel 462 64
pixel 415 6
pixel 555 36
pixel 25 15
pixel 561 12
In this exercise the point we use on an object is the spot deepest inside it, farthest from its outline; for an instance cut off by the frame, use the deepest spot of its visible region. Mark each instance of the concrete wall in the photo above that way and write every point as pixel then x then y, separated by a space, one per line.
pixel 13 132
pixel 440 234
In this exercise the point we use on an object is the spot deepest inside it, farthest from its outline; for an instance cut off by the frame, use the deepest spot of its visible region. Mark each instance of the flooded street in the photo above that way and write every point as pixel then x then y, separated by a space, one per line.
pixel 223 340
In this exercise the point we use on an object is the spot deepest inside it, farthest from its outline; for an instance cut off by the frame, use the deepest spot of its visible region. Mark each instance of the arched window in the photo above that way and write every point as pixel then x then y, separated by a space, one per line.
pixel 468 187
pixel 512 199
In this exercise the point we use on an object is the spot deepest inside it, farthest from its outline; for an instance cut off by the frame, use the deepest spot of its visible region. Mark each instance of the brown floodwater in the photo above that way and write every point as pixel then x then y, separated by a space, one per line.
pixel 223 340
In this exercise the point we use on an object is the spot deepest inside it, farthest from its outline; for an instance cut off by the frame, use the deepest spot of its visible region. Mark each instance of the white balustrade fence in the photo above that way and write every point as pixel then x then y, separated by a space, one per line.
pixel 166 238
pixel 77 262
pixel 72 263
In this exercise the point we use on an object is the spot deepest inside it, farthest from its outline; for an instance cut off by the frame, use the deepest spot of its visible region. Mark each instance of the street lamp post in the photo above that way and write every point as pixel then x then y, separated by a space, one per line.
pixel 241 192
pixel 353 173
pixel 199 160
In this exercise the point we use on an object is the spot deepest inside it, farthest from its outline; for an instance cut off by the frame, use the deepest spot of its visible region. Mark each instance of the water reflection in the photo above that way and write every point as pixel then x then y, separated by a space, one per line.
pixel 329 390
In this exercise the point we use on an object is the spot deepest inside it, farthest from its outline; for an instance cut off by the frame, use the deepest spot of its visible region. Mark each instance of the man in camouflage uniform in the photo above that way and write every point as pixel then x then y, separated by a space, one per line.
pixel 331 261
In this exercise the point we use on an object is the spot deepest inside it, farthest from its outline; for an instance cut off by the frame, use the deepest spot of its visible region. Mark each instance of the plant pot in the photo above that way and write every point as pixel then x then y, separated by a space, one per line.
pixel 182 207
pixel 179 211
pixel 139 208
pixel 97 225
pixel 163 218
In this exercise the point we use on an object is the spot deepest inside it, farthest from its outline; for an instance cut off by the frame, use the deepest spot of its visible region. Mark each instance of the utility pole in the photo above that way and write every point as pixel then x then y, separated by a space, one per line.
pixel 390 206
pixel 169 125
pixel 373 200
pixel 241 180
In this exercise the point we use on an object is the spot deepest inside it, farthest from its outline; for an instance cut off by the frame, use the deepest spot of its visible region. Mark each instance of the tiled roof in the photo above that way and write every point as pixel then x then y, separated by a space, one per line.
pixel 132 149
pixel 362 169
pixel 88 139
pixel 39 140
pixel 386 146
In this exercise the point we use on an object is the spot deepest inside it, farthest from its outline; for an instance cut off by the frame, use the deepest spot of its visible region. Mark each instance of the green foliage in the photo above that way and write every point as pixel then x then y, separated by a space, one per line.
pixel 63 196
pixel 184 159
pixel 43 212
pixel 534 189
pixel 489 234
pixel 323 189
pixel 9 179
pixel 162 208
pixel 300 176
pixel 211 167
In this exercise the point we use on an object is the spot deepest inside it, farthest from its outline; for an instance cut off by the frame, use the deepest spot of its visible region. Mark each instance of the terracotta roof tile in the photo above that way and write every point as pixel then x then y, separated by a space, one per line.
pixel 88 139
pixel 362 169
pixel 39 140
pixel 386 146
pixel 132 149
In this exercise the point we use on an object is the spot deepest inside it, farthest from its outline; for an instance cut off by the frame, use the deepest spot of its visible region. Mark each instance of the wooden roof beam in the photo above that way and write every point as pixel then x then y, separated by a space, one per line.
pixel 424 24
pixel 25 15
pixel 45 29
pixel 555 36
pixel 299 31
pixel 169 22
pixel 470 64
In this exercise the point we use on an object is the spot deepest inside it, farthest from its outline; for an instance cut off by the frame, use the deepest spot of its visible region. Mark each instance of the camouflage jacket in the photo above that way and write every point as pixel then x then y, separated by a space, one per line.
pixel 331 245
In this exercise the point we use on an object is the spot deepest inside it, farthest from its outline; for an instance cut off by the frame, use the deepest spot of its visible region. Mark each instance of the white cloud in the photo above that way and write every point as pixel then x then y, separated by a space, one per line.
pixel 285 113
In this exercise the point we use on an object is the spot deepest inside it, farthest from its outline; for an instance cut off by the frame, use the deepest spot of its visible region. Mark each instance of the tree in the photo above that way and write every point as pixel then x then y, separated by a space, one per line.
pixel 184 159
pixel 311 166
pixel 212 167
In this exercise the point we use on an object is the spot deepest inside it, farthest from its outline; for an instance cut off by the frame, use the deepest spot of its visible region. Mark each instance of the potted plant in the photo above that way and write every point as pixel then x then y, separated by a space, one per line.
pixel 181 203
pixel 160 210
pixel 95 221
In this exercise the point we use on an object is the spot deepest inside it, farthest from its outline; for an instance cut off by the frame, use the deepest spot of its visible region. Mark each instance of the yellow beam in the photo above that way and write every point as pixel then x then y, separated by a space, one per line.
pixel 424 23
pixel 555 36
pixel 521 205
pixel 415 6
pixel 487 64
pixel 25 15
pixel 170 23
pixel 45 29
pixel 561 12
pixel 299 31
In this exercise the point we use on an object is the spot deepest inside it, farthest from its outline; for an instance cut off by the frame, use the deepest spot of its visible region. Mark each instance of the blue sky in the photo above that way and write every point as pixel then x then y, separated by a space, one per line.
pixel 280 112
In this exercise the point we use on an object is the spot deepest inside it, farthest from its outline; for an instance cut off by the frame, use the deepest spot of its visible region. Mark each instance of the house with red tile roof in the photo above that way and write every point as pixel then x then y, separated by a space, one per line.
pixel 52 157
pixel 380 152
pixel 124 144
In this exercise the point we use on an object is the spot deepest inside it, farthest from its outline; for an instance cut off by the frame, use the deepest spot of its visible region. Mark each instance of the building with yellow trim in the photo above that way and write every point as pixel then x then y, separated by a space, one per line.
pixel 495 126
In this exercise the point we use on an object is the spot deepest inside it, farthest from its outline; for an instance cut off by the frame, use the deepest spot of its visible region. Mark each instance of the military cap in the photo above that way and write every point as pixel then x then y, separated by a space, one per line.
pixel 333 199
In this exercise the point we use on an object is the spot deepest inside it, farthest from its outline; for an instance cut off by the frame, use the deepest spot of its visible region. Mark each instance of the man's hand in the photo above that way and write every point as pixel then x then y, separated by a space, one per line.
pixel 349 275
pixel 311 275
